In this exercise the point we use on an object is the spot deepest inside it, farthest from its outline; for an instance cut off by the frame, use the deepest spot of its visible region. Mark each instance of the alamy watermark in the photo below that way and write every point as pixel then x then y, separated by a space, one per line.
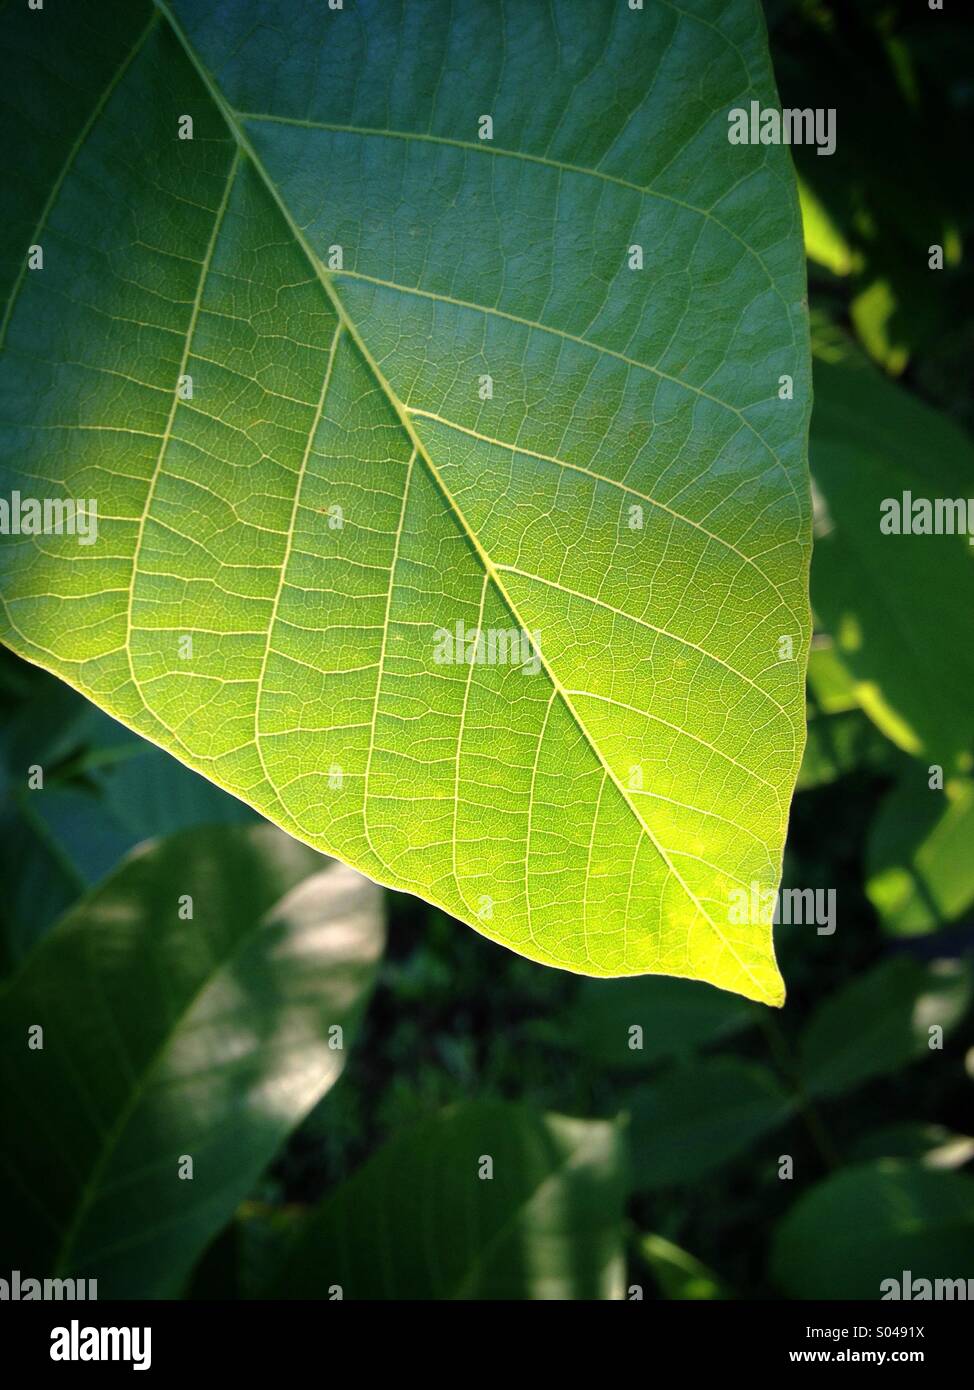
pixel 766 125
pixel 78 1343
pixel 920 516
pixel 788 907
pixel 487 646
pixel 49 516
pixel 22 1288
pixel 909 1289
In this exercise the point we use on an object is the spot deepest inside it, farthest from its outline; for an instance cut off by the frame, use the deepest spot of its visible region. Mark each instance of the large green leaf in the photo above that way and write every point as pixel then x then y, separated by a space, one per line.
pixel 344 485
pixel 429 1217
pixel 869 1224
pixel 166 1037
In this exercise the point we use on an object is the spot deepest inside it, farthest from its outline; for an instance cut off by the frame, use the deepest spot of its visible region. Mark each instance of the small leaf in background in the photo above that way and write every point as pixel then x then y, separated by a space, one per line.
pixel 895 605
pixel 824 241
pixel 59 842
pixel 55 844
pixel 920 855
pixel 831 687
pixel 104 791
pixel 422 1218
pixel 878 317
pixel 869 1224
pixel 699 1116
pixel 631 1024
pixel 900 85
pixel 838 744
pixel 679 1274
pixel 43 723
pixel 931 1145
pixel 841 738
pixel 167 1038
pixel 879 1022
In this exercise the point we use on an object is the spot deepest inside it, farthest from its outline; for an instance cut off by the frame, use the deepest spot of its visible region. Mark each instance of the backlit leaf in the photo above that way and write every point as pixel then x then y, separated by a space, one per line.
pixel 431 388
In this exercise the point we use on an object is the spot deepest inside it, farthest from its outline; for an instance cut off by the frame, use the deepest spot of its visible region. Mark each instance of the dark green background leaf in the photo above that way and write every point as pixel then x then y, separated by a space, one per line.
pixel 418 1221
pixel 880 1021
pixel 702 1115
pixel 163 1038
pixel 868 1224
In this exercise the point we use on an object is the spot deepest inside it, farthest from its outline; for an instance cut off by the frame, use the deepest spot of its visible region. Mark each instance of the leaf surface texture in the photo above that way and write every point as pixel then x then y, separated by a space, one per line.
pixel 593 813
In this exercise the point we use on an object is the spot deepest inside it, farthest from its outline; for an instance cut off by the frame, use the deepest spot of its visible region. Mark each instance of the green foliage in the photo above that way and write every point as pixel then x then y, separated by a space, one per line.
pixel 898 76
pixel 678 1273
pixel 932 1145
pixel 920 869
pixel 889 600
pixel 883 1220
pixel 701 1116
pixel 428 1218
pixel 838 744
pixel 630 1024
pixel 881 1021
pixel 652 1133
pixel 187 1011
pixel 395 1148
pixel 431 388
pixel 105 790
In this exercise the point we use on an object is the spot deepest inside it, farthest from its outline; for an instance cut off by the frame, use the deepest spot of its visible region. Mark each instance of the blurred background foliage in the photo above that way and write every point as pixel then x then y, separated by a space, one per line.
pixel 738 1152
